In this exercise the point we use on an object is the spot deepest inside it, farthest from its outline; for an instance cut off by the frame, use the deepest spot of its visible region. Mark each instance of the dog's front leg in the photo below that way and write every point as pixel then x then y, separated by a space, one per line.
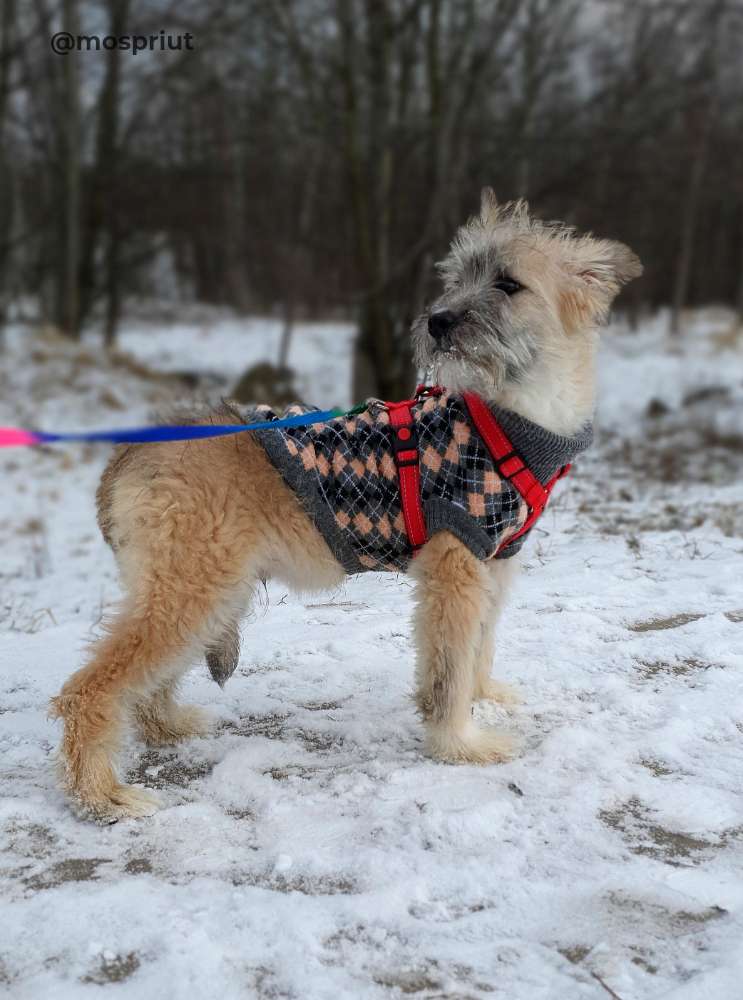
pixel 453 597
pixel 501 573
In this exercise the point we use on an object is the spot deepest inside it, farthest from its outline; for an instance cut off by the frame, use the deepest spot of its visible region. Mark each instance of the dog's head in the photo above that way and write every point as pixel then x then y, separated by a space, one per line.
pixel 519 294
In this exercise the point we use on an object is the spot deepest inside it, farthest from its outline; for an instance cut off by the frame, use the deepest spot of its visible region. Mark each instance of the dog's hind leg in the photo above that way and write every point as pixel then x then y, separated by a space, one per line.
pixel 501 573
pixel 188 556
pixel 143 651
pixel 452 600
pixel 132 675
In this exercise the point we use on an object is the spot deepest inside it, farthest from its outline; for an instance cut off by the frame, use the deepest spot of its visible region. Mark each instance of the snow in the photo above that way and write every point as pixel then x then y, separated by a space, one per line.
pixel 307 848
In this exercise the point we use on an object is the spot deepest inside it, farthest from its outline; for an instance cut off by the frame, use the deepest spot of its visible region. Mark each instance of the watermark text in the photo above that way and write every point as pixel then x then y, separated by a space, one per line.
pixel 63 42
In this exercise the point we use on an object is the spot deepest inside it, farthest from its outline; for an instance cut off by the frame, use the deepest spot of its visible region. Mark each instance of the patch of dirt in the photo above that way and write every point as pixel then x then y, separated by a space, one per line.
pixel 669 448
pixel 409 981
pixel 425 978
pixel 276 727
pixel 735 616
pixel 241 813
pixel 422 911
pixel 307 885
pixel 114 969
pixel 268 667
pixel 264 984
pixel 728 517
pixel 575 953
pixel 399 969
pixel 642 962
pixel 318 742
pixel 656 767
pixel 154 772
pixel 273 727
pixel 698 442
pixel 16 874
pixel 660 624
pixel 138 866
pixel 635 926
pixel 31 840
pixel 644 837
pixel 661 914
pixel 33 526
pixel 69 870
pixel 624 516
pixel 294 771
pixel 648 669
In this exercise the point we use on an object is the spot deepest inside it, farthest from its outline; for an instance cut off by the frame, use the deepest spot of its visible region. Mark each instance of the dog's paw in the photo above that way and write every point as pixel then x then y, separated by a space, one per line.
pixel 503 694
pixel 182 722
pixel 193 721
pixel 119 802
pixel 473 745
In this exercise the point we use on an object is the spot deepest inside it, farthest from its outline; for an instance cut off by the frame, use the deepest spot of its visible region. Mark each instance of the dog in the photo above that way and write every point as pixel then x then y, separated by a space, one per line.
pixel 195 526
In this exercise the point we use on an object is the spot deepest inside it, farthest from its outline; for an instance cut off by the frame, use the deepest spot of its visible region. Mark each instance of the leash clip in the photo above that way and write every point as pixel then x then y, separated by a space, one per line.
pixel 422 390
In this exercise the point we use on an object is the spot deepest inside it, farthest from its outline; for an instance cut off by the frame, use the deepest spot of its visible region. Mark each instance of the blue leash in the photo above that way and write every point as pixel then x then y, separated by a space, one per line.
pixel 14 436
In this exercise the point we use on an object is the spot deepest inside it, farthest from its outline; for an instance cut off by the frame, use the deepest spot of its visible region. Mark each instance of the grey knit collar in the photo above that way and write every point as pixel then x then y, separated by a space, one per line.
pixel 543 451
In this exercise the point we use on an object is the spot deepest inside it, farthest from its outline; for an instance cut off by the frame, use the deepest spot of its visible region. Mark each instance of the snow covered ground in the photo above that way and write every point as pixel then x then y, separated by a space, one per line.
pixel 307 848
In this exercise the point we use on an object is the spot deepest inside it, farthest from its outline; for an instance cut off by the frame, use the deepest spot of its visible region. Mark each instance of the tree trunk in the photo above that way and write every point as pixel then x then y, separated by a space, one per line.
pixel 370 336
pixel 68 311
pixel 109 166
pixel 701 121
pixel 7 24
pixel 380 365
pixel 689 216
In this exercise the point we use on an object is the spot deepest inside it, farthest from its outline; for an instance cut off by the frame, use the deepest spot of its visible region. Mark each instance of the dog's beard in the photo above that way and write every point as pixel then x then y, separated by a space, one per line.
pixel 478 355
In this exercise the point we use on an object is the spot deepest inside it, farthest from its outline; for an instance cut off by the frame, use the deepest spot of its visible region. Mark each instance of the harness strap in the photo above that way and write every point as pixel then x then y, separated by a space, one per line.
pixel 510 464
pixel 405 450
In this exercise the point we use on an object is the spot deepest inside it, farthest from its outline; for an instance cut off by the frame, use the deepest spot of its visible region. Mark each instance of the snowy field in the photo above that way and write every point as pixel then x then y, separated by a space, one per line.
pixel 307 849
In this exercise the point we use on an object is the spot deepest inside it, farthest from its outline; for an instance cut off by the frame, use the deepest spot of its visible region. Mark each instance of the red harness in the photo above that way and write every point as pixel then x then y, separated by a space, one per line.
pixel 508 462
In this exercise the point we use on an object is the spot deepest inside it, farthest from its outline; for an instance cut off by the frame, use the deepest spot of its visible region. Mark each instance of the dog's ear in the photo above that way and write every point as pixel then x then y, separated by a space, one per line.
pixel 599 269
pixel 604 265
pixel 488 205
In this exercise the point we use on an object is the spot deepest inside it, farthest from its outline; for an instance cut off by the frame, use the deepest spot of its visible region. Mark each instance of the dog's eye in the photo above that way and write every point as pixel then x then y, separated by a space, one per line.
pixel 508 285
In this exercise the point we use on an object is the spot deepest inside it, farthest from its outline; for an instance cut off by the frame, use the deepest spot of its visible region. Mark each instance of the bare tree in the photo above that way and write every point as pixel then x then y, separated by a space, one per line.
pixel 108 168
pixel 68 290
pixel 7 42
pixel 700 119
pixel 395 124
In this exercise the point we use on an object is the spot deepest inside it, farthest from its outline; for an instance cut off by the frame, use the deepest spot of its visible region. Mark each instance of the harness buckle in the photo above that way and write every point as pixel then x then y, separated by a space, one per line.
pixel 510 464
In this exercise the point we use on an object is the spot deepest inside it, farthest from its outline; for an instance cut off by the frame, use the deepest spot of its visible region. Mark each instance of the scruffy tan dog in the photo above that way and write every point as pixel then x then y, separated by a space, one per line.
pixel 195 525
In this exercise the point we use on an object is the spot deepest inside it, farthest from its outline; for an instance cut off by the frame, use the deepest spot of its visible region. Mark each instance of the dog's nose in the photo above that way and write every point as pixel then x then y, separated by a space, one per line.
pixel 441 322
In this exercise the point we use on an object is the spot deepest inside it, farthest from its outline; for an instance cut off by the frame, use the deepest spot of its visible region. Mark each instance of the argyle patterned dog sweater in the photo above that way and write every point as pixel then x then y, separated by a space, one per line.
pixel 344 473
